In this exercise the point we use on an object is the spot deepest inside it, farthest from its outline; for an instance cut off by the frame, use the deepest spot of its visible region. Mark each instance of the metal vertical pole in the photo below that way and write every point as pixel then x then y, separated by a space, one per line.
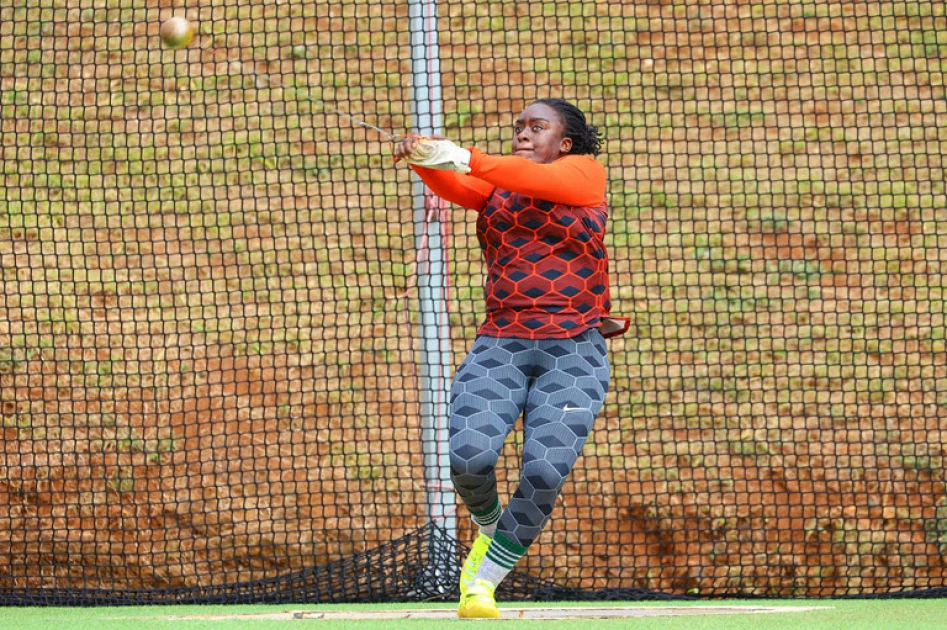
pixel 432 273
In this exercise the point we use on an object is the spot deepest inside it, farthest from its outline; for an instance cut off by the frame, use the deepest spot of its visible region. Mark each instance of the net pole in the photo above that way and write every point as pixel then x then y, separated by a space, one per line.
pixel 432 273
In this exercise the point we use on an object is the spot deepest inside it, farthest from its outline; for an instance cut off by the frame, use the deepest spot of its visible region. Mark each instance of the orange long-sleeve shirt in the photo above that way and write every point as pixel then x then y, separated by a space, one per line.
pixel 541 228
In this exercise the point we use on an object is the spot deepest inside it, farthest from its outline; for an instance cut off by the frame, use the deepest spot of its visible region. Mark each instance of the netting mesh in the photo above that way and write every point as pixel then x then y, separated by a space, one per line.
pixel 210 367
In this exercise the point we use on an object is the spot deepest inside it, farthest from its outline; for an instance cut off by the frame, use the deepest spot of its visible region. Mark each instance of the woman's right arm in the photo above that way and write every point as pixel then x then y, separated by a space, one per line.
pixel 464 190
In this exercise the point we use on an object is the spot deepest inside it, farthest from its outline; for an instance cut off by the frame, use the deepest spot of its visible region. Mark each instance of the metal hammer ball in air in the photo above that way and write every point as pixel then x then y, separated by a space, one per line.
pixel 176 32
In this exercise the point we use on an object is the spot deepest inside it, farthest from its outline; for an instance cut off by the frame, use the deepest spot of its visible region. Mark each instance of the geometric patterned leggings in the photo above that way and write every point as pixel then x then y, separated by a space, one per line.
pixel 559 386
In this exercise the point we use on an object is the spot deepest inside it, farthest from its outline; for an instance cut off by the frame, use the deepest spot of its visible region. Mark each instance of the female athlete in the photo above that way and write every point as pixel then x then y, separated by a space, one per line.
pixel 540 353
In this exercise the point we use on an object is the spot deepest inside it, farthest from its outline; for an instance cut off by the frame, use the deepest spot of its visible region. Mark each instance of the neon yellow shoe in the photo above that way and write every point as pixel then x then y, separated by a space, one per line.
pixel 478 602
pixel 473 561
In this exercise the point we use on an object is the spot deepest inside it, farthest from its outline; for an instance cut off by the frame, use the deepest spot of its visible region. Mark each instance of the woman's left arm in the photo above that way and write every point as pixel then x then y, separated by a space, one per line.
pixel 573 180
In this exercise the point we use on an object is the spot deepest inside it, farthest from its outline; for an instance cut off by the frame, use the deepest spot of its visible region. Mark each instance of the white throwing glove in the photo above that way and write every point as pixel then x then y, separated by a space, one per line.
pixel 442 155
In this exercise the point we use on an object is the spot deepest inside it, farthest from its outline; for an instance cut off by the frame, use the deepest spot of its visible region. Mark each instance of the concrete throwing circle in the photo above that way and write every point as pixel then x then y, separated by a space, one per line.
pixel 570 612
pixel 536 613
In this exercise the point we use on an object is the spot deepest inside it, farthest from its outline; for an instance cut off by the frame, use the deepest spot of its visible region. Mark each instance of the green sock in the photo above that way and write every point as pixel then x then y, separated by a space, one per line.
pixel 502 556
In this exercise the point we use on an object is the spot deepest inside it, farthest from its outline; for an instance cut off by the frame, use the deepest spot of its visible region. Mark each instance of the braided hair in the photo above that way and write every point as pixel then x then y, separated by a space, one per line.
pixel 586 138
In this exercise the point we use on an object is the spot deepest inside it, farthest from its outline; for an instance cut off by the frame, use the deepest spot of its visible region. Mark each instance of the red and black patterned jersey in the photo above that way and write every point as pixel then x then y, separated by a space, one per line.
pixel 542 230
pixel 547 270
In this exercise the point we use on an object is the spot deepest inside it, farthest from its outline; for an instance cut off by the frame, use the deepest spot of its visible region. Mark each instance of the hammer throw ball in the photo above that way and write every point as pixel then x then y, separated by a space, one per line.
pixel 176 32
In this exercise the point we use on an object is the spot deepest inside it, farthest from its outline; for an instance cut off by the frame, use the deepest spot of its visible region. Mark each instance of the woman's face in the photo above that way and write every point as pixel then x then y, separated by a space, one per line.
pixel 539 135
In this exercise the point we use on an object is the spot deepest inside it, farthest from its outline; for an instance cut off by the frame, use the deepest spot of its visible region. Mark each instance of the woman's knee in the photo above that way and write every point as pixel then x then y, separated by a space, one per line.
pixel 470 467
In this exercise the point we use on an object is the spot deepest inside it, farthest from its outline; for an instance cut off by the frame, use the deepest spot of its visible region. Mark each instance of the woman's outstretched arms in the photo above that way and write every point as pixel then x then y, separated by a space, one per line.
pixel 573 180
